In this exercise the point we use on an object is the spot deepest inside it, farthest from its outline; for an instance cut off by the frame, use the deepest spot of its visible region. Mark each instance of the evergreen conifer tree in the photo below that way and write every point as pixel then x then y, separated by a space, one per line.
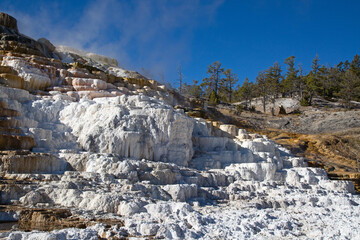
pixel 262 89
pixel 273 78
pixel 211 83
pixel 227 84
pixel 289 82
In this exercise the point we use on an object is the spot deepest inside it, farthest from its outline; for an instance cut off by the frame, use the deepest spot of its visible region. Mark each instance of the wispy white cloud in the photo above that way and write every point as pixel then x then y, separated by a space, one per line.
pixel 155 35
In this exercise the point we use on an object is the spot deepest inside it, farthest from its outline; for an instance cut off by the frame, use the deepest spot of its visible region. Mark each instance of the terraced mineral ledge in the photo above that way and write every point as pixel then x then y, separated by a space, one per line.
pixel 90 150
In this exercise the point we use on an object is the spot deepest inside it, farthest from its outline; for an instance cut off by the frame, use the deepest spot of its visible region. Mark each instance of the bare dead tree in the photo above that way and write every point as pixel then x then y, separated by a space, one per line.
pixel 181 76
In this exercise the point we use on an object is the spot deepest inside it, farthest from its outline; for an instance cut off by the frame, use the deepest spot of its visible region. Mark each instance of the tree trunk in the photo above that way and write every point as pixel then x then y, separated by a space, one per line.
pixel 273 100
pixel 310 98
pixel 264 103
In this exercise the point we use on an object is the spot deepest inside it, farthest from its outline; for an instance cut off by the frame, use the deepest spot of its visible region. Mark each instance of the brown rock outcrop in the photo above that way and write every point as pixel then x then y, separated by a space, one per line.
pixel 13 142
pixel 7 69
pixel 28 162
pixel 11 80
pixel 43 219
pixel 51 219
pixel 11 137
pixel 12 41
pixel 8 21
pixel 141 82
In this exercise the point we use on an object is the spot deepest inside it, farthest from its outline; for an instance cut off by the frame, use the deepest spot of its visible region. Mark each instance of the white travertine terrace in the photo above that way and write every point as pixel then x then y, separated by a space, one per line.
pixel 166 174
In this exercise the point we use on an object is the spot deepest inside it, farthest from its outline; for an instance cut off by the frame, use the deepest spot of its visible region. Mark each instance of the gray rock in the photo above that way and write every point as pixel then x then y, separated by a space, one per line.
pixel 47 44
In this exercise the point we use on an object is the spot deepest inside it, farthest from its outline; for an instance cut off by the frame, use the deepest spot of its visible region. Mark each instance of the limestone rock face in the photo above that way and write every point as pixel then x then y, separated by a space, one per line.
pixel 87 84
pixel 135 126
pixel 34 78
pixel 288 104
pixel 31 163
pixel 8 21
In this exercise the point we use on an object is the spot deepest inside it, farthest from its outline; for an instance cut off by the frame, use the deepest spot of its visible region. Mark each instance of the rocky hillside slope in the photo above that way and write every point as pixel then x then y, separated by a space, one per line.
pixel 327 134
pixel 90 150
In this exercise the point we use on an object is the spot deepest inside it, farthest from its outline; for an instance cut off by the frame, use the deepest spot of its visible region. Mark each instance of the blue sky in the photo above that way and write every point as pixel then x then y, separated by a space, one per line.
pixel 158 35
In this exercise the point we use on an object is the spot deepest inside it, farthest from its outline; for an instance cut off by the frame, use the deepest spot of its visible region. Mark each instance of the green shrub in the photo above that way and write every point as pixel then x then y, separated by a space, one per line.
pixel 239 109
pixel 213 99
pixel 305 101
pixel 282 110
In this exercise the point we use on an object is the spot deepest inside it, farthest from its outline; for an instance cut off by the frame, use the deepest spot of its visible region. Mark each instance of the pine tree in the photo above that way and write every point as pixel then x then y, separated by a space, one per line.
pixel 355 65
pixel 312 80
pixel 323 81
pixel 350 88
pixel 246 93
pixel 289 82
pixel 311 88
pixel 211 83
pixel 315 67
pixel 213 98
pixel 334 76
pixel 300 82
pixel 340 67
pixel 195 90
pixel 262 89
pixel 346 66
pixel 273 78
pixel 227 84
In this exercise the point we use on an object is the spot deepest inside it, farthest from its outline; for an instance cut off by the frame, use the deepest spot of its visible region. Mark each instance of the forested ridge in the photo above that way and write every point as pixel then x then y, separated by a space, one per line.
pixel 338 83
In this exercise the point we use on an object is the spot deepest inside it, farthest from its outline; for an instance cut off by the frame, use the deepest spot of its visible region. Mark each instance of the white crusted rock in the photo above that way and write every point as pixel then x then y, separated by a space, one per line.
pixel 131 126
pixel 181 192
pixel 34 77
